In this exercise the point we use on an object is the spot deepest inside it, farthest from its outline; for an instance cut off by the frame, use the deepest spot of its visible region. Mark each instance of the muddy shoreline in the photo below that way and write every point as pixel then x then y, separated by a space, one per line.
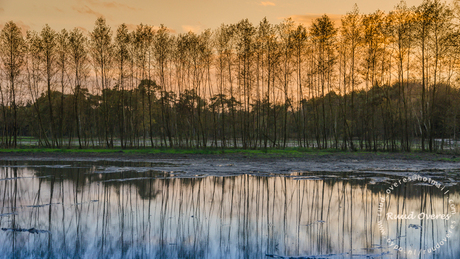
pixel 242 163
pixel 330 157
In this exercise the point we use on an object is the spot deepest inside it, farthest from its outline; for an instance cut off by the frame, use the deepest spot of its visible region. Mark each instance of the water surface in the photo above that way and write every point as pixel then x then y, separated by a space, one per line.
pixel 109 209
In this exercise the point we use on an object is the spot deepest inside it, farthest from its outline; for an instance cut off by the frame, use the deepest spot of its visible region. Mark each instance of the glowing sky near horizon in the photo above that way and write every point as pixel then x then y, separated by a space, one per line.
pixel 178 15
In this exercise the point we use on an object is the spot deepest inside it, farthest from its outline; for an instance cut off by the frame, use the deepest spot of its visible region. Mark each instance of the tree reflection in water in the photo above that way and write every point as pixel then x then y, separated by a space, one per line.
pixel 151 214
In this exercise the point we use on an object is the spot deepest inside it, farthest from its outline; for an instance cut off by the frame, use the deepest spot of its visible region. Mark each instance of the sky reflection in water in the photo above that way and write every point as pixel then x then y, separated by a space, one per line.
pixel 112 210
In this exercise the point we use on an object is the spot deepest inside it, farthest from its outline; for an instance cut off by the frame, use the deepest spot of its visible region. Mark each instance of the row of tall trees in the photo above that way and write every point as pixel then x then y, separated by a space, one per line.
pixel 374 81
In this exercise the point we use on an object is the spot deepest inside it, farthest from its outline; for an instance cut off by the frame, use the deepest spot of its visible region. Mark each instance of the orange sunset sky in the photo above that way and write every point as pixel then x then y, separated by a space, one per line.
pixel 178 15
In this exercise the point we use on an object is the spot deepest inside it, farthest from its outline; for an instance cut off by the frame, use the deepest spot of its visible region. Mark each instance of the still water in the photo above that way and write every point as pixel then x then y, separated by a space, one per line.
pixel 133 210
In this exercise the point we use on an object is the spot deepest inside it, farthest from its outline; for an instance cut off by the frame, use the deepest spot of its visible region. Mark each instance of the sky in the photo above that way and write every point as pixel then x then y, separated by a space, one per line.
pixel 178 15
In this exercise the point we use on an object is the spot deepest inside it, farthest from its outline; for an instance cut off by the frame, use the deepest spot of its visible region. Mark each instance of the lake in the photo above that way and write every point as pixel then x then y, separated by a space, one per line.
pixel 227 209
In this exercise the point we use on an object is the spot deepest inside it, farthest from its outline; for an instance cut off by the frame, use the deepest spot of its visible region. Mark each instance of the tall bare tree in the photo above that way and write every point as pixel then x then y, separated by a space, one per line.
pixel 102 54
pixel 162 47
pixel 79 70
pixel 12 53
pixel 62 45
pixel 351 32
pixel 48 44
pixel 324 36
pixel 122 40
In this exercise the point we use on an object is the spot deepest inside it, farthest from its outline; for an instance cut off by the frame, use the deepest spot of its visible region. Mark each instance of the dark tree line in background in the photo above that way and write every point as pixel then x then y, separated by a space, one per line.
pixel 379 81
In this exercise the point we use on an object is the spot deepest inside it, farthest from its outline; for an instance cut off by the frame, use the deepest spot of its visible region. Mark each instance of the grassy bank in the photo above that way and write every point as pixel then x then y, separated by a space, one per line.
pixel 245 153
